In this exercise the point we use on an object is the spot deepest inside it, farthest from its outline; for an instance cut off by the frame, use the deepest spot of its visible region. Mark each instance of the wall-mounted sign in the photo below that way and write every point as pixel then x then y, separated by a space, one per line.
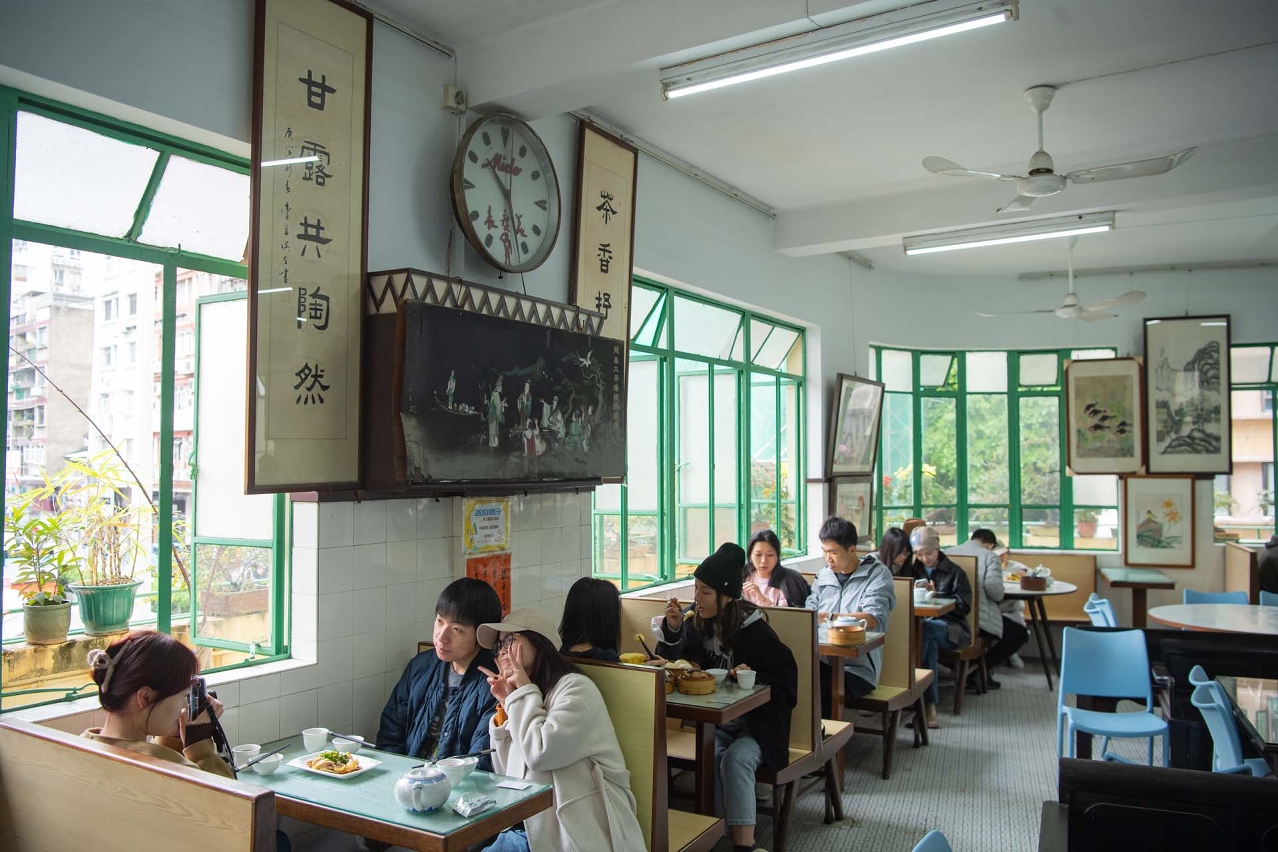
pixel 486 524
pixel 312 68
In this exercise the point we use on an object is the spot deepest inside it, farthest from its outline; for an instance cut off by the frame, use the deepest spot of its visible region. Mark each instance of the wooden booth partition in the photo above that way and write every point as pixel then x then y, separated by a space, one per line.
pixel 59 791
pixel 1076 568
pixel 1242 571
pixel 636 618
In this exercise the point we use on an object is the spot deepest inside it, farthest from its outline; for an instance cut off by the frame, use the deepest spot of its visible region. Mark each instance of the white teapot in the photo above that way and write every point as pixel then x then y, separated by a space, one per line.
pixel 423 790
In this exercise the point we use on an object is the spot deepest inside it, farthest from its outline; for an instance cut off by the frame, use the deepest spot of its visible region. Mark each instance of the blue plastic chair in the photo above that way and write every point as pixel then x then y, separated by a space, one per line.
pixel 933 841
pixel 1192 597
pixel 1107 665
pixel 1100 611
pixel 1213 703
pixel 1198 676
pixel 1269 598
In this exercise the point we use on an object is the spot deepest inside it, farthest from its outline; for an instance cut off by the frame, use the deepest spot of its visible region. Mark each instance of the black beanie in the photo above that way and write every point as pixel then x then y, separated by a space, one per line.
pixel 723 570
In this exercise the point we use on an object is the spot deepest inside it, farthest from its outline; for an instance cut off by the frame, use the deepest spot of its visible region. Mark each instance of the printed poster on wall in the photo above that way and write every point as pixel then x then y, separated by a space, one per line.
pixel 486 524
pixel 309 196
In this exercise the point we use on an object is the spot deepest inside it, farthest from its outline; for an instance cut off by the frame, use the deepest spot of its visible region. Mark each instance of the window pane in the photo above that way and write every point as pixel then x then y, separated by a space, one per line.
pixel 934 370
pixel 1041 527
pixel 234 588
pixel 77 179
pixel 994 520
pixel 203 208
pixel 939 441
pixel 898 449
pixel 702 329
pixel 898 370
pixel 941 519
pixel 987 469
pixel 608 498
pixel 895 517
pixel 1038 370
pixel 1091 354
pixel 643 550
pixel 986 372
pixel 1096 529
pixel 1040 451
pixel 692 460
pixel 1249 364
pixel 642 432
pixel 791 485
pixel 607 545
pixel 1099 490
pixel 653 332
pixel 763 452
pixel 773 354
pixel 726 407
pixel 1251 487
pixel 642 300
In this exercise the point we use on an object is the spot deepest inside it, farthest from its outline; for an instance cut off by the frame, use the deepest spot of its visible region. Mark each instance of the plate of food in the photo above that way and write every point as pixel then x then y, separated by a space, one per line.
pixel 339 764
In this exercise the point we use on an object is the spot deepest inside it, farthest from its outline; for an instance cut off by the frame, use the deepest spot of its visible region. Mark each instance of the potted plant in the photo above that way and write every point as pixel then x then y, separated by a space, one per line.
pixel 38 547
pixel 1086 523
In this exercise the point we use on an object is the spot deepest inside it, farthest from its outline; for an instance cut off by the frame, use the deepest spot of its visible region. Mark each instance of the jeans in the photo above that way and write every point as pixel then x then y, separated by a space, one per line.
pixel 510 840
pixel 1014 637
pixel 854 687
pixel 936 638
pixel 736 757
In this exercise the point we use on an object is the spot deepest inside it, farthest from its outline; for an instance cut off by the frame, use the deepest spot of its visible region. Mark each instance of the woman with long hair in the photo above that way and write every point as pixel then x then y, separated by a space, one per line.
pixel 552 727
pixel 767 581
pixel 591 626
pixel 728 632
pixel 895 551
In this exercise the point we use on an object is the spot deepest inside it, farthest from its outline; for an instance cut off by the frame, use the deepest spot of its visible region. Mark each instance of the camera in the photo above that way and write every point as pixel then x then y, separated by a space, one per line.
pixel 197 700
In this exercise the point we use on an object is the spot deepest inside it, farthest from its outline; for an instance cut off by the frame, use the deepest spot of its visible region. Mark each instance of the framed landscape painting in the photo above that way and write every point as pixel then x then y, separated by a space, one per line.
pixel 1104 416
pixel 1187 395
pixel 854 427
pixel 1158 521
pixel 852 498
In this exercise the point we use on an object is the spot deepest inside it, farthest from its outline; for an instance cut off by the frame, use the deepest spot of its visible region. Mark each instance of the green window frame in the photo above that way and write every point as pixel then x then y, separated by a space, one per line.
pixel 908 484
pixel 170 260
pixel 1269 351
pixel 763 446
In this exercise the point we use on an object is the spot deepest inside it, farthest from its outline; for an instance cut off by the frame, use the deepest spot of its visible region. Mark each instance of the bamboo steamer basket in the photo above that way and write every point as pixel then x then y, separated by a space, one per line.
pixel 696 686
pixel 847 636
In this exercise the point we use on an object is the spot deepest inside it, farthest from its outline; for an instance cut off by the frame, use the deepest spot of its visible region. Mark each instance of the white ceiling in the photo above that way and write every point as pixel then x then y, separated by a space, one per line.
pixel 837 149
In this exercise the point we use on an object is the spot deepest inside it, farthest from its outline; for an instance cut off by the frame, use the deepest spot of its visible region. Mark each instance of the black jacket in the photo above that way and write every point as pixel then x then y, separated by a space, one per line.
pixel 790 582
pixel 1269 566
pixel 950 582
pixel 759 647
pixel 408 713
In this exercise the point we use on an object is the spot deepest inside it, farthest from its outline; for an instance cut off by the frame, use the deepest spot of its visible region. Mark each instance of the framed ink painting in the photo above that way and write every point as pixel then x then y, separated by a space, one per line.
pixel 854 426
pixel 1104 416
pixel 1158 521
pixel 852 498
pixel 1187 405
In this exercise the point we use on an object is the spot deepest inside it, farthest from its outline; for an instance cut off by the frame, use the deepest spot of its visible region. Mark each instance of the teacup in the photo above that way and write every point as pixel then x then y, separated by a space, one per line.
pixel 745 678
pixel 244 753
pixel 454 769
pixel 315 739
pixel 719 674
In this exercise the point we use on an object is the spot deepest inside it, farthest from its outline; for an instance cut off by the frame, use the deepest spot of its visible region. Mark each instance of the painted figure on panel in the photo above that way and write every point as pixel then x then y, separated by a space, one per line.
pixel 1103 417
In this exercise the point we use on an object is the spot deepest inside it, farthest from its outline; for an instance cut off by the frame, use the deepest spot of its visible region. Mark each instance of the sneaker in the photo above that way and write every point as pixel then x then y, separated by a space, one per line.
pixel 1016 662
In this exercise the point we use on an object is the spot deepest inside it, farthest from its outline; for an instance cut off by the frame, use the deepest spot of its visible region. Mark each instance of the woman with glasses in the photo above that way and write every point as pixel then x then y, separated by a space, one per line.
pixel 552 727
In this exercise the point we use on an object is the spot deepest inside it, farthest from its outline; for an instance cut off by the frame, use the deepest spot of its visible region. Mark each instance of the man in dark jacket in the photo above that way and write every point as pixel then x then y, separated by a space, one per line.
pixel 442 704
pixel 949 632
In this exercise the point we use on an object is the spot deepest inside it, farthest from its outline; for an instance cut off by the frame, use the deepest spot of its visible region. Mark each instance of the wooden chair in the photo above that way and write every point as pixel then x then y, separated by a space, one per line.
pixel 61 791
pixel 960 660
pixel 636 700
pixel 901 685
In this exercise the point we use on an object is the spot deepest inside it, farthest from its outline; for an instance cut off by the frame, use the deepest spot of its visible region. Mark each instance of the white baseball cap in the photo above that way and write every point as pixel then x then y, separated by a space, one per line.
pixel 519 621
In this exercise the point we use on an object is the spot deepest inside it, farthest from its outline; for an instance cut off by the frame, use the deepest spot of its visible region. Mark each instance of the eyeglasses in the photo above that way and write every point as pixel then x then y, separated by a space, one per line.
pixel 503 644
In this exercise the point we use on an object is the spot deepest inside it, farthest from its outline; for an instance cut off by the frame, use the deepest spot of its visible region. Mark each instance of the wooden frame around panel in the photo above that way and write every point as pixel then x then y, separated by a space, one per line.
pixel 1226 409
pixel 836 419
pixel 866 534
pixel 1128 539
pixel 1139 404
pixel 255 197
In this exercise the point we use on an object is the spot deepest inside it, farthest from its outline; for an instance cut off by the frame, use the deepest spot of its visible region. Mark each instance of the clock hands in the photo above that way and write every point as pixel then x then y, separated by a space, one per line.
pixel 505 191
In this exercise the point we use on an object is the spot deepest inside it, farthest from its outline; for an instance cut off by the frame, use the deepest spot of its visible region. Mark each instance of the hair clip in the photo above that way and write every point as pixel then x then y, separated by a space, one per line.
pixel 99 659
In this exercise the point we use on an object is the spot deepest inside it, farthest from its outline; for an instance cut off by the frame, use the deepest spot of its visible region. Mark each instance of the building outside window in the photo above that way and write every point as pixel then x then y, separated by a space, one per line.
pixel 1244 501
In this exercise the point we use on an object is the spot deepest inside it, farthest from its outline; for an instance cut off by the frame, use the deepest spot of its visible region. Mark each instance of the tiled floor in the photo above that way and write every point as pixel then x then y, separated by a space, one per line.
pixel 982 781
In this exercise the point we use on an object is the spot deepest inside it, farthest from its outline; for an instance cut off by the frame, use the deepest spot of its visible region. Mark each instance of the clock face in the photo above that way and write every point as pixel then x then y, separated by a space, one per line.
pixel 506 194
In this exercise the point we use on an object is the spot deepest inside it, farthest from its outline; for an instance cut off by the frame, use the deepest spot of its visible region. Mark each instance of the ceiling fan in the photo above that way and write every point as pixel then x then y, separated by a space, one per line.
pixel 1042 180
pixel 1072 309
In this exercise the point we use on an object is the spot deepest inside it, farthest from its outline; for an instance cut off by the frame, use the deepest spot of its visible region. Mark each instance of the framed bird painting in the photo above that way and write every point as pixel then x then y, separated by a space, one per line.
pixel 1104 408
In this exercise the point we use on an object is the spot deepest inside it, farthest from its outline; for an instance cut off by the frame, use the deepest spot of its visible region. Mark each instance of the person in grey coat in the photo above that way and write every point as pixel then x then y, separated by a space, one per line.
pixel 861 589
pixel 1005 635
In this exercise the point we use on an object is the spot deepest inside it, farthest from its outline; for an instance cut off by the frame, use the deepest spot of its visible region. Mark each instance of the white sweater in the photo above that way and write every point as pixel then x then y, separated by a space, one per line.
pixel 567 740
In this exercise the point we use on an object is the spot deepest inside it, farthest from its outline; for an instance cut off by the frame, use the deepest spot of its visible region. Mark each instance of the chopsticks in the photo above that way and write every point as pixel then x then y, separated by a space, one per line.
pixel 260 757
pixel 458 757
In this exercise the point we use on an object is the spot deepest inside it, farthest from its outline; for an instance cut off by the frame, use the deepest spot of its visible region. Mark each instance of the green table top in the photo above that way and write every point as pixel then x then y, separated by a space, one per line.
pixel 371 795
pixel 1149 577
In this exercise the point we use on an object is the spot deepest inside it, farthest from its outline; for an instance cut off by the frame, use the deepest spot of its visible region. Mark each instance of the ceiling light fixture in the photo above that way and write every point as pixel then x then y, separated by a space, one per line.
pixel 897 28
pixel 1013 232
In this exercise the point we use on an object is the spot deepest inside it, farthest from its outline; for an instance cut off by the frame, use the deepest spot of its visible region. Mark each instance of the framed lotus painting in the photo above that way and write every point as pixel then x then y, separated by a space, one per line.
pixel 1187 395
pixel 1104 416
pixel 1158 521
pixel 854 427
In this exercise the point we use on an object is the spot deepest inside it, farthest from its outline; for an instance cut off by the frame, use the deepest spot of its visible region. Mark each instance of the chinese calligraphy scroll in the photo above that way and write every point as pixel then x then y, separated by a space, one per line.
pixel 310 176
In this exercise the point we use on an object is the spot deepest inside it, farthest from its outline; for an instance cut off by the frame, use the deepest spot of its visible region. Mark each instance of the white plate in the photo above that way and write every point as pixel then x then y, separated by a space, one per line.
pixel 365 763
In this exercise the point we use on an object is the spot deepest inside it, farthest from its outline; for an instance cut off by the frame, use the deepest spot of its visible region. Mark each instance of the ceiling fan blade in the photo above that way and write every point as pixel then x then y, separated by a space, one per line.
pixel 942 166
pixel 1020 202
pixel 1136 168
pixel 1015 313
pixel 1093 316
pixel 1131 297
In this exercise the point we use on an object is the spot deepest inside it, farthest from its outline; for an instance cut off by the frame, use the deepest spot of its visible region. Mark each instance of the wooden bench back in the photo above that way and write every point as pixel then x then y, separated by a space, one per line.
pixel 636 617
pixel 898 644
pixel 1242 571
pixel 968 566
pixel 60 791
pixel 636 701
pixel 796 628
pixel 1079 569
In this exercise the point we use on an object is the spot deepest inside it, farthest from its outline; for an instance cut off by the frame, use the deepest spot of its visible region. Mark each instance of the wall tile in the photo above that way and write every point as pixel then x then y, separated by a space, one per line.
pixel 401 520
pixel 336 661
pixel 336 569
pixel 569 545
pixel 525 586
pixel 457 558
pixel 370 653
pixel 299 680
pixel 305 570
pixel 305 618
pixel 586 532
pixel 298 711
pixel 369 565
pixel 525 548
pixel 260 722
pixel 369 522
pixel 255 689
pixel 570 512
pixel 337 705
pixel 434 518
pixel 370 604
pixel 227 693
pixel 401 646
pixel 552 609
pixel 305 649
pixel 230 720
pixel 552 582
pixel 305 524
pixel 336 524
pixel 428 593
pixel 336 616
pixel 401 561
pixel 552 510
pixel 433 559
pixel 525 512
pixel 401 607
pixel 370 698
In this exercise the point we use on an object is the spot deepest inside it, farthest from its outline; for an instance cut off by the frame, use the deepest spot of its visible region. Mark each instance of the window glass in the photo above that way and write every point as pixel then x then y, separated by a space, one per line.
pixel 694 422
pixel 897 453
pixel 1040 451
pixel 1095 490
pixel 994 520
pixel 940 481
pixel 791 484
pixel 1096 529
pixel 934 370
pixel 218 225
pixel 1249 364
pixel 775 351
pixel 726 406
pixel 764 452
pixel 77 179
pixel 1038 370
pixel 1091 354
pixel 702 329
pixel 986 372
pixel 643 430
pixel 898 370
pixel 1041 527
pixel 642 301
pixel 1244 501
pixel 988 475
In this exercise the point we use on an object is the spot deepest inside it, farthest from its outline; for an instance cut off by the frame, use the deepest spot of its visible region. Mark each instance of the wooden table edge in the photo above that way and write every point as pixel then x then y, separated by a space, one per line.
pixel 851 652
pixel 719 716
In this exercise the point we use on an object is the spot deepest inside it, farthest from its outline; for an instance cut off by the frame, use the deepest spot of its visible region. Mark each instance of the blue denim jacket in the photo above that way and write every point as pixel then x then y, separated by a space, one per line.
pixel 868 589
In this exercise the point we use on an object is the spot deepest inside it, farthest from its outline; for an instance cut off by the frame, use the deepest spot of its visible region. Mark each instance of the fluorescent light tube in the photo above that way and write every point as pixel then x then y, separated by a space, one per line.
pixel 876 33
pixel 1013 232
pixel 290 161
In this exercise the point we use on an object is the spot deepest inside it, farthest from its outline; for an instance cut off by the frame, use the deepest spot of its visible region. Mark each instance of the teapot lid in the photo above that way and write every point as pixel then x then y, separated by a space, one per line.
pixel 424 773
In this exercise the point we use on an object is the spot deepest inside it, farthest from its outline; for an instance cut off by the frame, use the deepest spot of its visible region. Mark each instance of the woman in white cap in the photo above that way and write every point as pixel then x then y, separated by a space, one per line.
pixel 552 727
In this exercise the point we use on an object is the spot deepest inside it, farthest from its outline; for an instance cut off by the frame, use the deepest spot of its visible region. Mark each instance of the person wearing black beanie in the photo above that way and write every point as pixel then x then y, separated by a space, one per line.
pixel 728 632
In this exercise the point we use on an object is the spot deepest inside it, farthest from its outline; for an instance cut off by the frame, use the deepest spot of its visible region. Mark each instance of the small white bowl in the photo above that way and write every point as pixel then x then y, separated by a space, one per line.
pixel 719 674
pixel 267 765
pixel 454 769
pixel 351 745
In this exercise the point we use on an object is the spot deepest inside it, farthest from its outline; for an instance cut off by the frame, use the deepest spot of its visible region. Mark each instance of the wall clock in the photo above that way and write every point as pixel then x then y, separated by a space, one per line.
pixel 506 193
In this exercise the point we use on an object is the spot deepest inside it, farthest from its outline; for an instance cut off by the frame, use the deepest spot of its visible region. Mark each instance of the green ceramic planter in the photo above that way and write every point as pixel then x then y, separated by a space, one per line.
pixel 47 624
pixel 105 609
